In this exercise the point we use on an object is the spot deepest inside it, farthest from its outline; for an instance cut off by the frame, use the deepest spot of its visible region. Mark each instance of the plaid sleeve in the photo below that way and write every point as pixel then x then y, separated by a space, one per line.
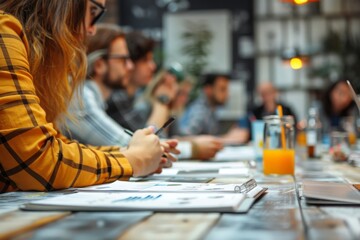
pixel 32 155
pixel 99 148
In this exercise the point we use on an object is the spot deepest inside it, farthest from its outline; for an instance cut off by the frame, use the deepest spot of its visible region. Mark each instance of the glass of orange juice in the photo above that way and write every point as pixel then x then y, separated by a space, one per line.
pixel 348 124
pixel 279 145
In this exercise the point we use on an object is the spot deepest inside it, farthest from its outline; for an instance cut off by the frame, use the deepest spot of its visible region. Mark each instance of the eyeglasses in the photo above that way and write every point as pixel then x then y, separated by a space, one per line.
pixel 118 56
pixel 96 12
pixel 121 57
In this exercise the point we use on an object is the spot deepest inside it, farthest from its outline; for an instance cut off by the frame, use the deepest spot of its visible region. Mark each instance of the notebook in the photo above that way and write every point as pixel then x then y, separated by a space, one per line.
pixel 156 196
pixel 249 187
pixel 141 201
pixel 330 193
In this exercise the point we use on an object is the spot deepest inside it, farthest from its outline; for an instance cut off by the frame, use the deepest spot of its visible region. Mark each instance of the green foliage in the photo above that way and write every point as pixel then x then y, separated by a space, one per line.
pixel 197 41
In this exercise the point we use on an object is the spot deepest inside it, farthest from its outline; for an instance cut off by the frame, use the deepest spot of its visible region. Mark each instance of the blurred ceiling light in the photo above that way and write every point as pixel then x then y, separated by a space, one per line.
pixel 294 59
pixel 296 63
pixel 299 2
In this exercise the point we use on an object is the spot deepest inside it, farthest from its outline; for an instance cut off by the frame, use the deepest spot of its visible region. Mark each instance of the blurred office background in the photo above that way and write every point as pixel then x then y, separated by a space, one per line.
pixel 299 45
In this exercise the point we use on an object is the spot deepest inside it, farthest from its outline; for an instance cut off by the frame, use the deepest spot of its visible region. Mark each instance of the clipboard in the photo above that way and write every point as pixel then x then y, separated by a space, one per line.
pixel 354 95
pixel 250 188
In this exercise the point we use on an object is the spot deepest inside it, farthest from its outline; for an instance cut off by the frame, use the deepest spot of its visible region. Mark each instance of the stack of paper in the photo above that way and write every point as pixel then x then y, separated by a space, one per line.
pixel 170 187
pixel 155 196
pixel 239 153
pixel 125 201
pixel 197 169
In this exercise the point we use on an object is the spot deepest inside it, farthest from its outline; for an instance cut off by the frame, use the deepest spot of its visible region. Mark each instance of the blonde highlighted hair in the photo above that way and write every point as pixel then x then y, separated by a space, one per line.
pixel 55 31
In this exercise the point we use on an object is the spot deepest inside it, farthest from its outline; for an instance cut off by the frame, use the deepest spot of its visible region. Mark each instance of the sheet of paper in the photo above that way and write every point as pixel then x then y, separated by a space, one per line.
pixel 239 172
pixel 162 187
pixel 175 178
pixel 240 153
pixel 197 168
pixel 195 165
pixel 193 202
pixel 233 171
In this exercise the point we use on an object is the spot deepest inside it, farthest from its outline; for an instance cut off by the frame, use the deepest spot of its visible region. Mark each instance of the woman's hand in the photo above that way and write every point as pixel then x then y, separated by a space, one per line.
pixel 169 147
pixel 145 152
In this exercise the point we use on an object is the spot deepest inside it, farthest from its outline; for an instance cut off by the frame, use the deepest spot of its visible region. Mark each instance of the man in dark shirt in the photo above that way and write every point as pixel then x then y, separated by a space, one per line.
pixel 200 117
pixel 121 104
pixel 269 95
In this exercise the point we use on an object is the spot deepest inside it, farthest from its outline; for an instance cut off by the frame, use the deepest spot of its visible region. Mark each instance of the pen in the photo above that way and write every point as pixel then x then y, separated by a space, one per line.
pixel 166 124
pixel 130 133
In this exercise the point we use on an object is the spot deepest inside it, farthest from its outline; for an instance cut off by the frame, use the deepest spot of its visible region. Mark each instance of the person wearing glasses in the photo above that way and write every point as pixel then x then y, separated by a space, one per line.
pixel 122 107
pixel 42 63
pixel 109 66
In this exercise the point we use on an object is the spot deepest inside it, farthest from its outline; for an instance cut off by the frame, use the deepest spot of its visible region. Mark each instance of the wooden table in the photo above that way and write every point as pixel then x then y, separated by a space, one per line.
pixel 279 214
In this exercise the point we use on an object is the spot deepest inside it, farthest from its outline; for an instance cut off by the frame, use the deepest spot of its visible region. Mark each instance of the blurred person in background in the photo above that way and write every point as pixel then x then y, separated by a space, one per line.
pixel 336 106
pixel 269 101
pixel 109 67
pixel 200 117
pixel 122 107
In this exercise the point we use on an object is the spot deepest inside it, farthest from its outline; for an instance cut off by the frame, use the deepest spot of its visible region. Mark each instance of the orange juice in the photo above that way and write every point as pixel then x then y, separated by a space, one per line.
pixel 301 138
pixel 279 161
pixel 352 138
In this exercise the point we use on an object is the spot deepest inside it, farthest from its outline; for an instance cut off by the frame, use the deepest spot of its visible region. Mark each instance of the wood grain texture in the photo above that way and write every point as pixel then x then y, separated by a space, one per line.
pixel 173 226
pixel 17 222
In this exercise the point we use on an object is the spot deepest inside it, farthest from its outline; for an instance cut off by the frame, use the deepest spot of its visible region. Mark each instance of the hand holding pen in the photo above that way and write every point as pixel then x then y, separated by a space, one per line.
pixel 169 146
pixel 166 124
pixel 144 153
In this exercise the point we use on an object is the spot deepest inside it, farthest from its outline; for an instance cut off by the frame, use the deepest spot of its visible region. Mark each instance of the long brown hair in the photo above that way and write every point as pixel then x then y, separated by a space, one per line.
pixel 55 31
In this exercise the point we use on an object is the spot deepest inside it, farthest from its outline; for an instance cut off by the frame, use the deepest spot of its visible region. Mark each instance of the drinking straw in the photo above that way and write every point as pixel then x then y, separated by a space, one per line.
pixel 280 113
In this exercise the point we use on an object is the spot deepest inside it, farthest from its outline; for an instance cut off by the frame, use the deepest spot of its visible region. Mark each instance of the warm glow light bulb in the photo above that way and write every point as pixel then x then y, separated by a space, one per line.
pixel 296 63
pixel 299 2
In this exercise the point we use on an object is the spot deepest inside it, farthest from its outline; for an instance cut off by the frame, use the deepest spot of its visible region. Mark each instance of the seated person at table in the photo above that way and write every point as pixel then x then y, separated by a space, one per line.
pixel 182 97
pixel 199 117
pixel 121 104
pixel 108 69
pixel 171 77
pixel 269 95
pixel 42 45
pixel 337 105
pixel 109 66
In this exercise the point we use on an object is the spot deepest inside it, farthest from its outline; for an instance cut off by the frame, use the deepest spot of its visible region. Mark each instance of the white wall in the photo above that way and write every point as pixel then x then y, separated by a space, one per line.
pixel 218 22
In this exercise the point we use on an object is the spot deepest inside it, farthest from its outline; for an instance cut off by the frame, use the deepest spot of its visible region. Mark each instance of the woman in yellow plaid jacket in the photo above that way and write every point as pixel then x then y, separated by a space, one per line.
pixel 41 48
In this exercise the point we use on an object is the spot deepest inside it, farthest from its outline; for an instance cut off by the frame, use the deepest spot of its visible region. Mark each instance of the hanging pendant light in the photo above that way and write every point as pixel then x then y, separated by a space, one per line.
pixel 295 59
pixel 299 2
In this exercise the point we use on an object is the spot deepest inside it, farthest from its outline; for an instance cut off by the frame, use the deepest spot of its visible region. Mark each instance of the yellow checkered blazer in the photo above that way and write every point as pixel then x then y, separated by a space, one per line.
pixel 33 155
